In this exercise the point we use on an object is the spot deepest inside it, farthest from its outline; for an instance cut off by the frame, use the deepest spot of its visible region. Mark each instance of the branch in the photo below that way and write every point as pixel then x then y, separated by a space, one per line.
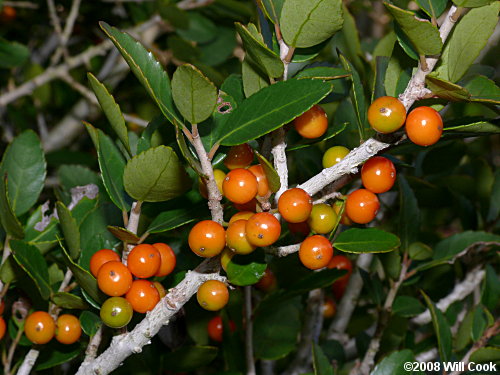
pixel 68 29
pixel 249 331
pixel 460 291
pixel 132 225
pixel 283 251
pixel 92 348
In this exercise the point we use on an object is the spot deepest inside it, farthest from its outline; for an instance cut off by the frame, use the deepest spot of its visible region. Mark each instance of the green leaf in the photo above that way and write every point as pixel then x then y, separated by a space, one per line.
pixel 409 216
pixel 479 323
pixel 373 286
pixel 194 95
pixel 463 336
pixel 253 81
pixel 483 90
pixel 155 175
pixel 212 129
pixel 273 8
pixel 33 263
pixel 324 73
pixel 486 354
pixel 110 109
pixel 186 152
pixel 393 364
pixel 112 165
pixel 490 293
pixel 25 166
pixel 479 127
pixel 145 142
pixel 407 306
pixel 69 301
pixel 56 356
pixel 441 329
pixel 357 96
pixel 468 39
pixel 272 107
pixel 314 280
pixel 12 54
pixel 233 86
pixel 321 364
pixel 200 30
pixel 123 234
pixel 189 358
pixel 306 23
pixel 450 247
pixel 367 240
pixel 332 131
pixel 247 269
pixel 8 219
pixel 423 35
pixel 419 251
pixel 147 70
pixel 381 64
pixel 257 51
pixel 472 3
pixel 172 219
pixel 220 49
pixel 70 230
pixel 90 323
pixel 446 90
pixel 272 176
pixel 433 8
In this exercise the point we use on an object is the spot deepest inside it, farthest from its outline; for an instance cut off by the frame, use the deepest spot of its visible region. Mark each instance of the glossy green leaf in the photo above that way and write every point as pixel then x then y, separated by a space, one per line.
pixel 479 323
pixel 70 230
pixel 423 35
pixel 366 240
pixel 419 251
pixel 186 151
pixel 183 50
pixel 69 301
pixel 220 49
pixel 483 90
pixel 90 323
pixel 273 8
pixel 189 358
pixel 455 244
pixel 306 23
pixel 56 356
pixel 381 64
pixel 112 165
pixel 321 364
pixel 472 3
pixel 486 354
pixel 145 141
pixel 490 292
pixel 253 80
pixel 74 175
pixel 123 234
pixel 33 263
pixel 272 107
pixel 44 239
pixel 155 175
pixel 233 86
pixel 200 29
pixel 441 329
pixel 446 90
pixel 407 306
pixel 463 336
pixel 468 39
pixel 25 166
pixel 324 73
pixel 111 109
pixel 12 54
pixel 213 128
pixel 433 8
pixel 194 95
pixel 272 176
pixel 479 127
pixel 393 364
pixel 257 51
pixel 8 219
pixel 172 219
pixel 332 131
pixel 409 214
pixel 147 70
pixel 246 269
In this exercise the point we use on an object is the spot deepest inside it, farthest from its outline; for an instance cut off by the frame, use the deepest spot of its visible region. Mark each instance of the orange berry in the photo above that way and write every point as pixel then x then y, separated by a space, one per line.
pixel 215 328
pixel 39 327
pixel 240 186
pixel 262 183
pixel 263 229
pixel 100 257
pixel 333 155
pixel 242 215
pixel 219 178
pixel 295 205
pixel 386 114
pixel 239 156
pixel 424 126
pixel 167 259
pixel 341 262
pixel 315 252
pixel 68 329
pixel 114 278
pixel 378 174
pixel 329 308
pixel 267 282
pixel 362 206
pixel 236 238
pixel 212 295
pixel 207 239
pixel 322 219
pixel 313 123
pixel 143 296
pixel 3 327
pixel 144 261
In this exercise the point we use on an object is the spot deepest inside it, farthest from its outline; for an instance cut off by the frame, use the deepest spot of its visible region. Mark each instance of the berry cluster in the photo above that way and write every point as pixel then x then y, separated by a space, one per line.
pixel 117 279
pixel 40 328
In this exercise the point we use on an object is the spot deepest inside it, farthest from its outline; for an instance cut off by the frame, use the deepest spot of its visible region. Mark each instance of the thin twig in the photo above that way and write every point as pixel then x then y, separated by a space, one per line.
pixel 132 226
pixel 21 4
pixel 68 29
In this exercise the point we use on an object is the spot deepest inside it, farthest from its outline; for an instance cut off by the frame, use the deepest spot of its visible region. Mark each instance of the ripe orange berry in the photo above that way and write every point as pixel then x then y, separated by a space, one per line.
pixel 386 114
pixel 100 257
pixel 362 206
pixel 167 259
pixel 226 257
pixel 215 328
pixel 219 178
pixel 424 126
pixel 295 205
pixel 236 238
pixel 3 327
pixel 267 282
pixel 39 327
pixel 240 186
pixel 239 156
pixel 333 155
pixel 242 215
pixel 313 123
pixel 114 278
pixel 263 229
pixel 378 174
pixel 161 290
pixel 8 14
pixel 143 296
pixel 322 219
pixel 207 239
pixel 340 262
pixel 299 229
pixel 68 329
pixel 329 308
pixel 337 206
pixel 315 252
pixel 212 295
pixel 144 261
pixel 262 183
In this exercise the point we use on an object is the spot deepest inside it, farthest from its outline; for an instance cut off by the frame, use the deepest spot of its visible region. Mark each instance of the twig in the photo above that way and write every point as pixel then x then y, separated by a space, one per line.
pixel 280 161
pixel 283 251
pixel 21 4
pixel 133 224
pixel 68 29
pixel 54 19
pixel 249 332
pixel 12 349
pixel 92 347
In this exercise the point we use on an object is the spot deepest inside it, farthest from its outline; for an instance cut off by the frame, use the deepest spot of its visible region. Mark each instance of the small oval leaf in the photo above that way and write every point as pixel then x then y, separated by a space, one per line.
pixel 367 240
